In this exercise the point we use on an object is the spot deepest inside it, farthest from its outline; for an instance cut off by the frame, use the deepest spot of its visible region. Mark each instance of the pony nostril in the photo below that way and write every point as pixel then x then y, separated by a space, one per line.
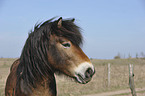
pixel 84 72
pixel 89 73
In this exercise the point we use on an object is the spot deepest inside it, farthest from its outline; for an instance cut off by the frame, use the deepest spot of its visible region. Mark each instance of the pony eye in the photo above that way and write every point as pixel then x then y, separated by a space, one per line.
pixel 66 45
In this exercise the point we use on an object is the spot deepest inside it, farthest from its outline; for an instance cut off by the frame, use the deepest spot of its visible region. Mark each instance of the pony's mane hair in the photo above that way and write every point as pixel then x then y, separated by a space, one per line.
pixel 34 64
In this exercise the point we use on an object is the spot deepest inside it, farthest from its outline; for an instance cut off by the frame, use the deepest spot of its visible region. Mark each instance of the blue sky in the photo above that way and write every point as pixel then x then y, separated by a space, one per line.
pixel 109 26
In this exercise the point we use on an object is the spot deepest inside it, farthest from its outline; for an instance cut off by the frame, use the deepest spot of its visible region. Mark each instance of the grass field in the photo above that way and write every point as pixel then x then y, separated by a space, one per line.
pixel 67 87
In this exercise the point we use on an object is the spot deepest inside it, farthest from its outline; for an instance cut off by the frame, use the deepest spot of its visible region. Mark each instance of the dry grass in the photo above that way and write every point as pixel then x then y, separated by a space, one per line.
pixel 67 87
pixel 5 64
pixel 119 78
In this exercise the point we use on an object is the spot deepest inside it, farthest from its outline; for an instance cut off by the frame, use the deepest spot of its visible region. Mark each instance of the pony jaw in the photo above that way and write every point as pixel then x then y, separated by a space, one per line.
pixel 84 72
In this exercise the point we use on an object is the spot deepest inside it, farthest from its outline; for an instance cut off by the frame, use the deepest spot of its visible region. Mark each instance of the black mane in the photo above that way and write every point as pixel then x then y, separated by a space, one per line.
pixel 34 59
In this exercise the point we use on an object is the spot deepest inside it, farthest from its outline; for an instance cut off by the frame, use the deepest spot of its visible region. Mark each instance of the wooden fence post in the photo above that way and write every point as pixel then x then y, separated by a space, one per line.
pixel 108 74
pixel 131 80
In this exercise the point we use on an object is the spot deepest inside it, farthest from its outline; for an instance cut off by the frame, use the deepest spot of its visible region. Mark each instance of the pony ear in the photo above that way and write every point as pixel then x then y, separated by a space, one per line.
pixel 73 20
pixel 59 22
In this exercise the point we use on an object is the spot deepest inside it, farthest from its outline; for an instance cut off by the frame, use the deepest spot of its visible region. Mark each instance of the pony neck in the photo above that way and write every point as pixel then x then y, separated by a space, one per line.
pixel 36 81
pixel 45 87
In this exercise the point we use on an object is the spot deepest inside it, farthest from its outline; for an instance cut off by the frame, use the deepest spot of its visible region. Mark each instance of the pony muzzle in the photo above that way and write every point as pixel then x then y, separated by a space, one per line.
pixel 84 72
